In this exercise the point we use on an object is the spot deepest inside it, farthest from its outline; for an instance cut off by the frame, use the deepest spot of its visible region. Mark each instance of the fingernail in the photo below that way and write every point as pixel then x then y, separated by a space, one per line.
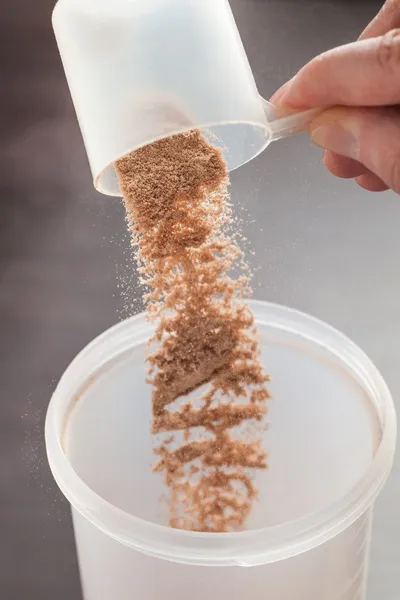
pixel 336 138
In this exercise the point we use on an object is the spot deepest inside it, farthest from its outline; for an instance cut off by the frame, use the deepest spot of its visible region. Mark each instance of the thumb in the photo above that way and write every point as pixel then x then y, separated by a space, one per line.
pixel 368 135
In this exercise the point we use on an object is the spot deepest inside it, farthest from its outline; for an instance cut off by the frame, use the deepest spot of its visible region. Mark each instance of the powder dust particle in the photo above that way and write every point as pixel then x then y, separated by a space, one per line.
pixel 179 216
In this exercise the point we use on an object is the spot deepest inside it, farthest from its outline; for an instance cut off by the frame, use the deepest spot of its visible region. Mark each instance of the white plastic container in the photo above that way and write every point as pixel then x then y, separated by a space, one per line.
pixel 331 443
pixel 140 70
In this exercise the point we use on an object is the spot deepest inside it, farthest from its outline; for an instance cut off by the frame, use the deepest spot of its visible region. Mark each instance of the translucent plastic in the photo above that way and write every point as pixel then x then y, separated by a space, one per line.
pixel 331 442
pixel 140 70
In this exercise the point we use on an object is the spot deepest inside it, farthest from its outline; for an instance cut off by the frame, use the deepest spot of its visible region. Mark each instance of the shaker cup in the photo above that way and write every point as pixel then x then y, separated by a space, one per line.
pixel 330 443
pixel 140 70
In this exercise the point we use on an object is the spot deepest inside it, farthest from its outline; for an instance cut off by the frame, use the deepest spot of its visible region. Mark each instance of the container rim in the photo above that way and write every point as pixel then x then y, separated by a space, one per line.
pixel 248 548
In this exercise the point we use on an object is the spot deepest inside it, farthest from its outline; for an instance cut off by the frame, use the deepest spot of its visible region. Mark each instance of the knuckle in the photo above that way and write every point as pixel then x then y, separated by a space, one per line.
pixel 389 51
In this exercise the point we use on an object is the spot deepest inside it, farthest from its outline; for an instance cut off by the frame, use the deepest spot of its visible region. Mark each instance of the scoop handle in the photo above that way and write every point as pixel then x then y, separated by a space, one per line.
pixel 283 124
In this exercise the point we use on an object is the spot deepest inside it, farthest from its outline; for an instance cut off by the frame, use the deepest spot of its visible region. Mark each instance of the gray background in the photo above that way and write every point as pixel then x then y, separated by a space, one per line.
pixel 321 245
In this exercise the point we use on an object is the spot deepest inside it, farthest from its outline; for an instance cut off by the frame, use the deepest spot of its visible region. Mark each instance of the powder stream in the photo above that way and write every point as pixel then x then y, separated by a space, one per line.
pixel 175 193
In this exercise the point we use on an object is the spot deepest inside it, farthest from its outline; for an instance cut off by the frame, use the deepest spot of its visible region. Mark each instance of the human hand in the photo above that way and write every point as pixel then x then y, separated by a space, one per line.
pixel 361 134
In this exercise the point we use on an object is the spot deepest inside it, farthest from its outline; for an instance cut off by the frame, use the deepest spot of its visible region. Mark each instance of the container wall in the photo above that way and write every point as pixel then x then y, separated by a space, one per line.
pixel 333 571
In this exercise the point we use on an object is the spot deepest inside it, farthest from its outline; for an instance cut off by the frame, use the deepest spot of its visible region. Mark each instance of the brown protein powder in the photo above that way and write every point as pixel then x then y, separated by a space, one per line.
pixel 175 193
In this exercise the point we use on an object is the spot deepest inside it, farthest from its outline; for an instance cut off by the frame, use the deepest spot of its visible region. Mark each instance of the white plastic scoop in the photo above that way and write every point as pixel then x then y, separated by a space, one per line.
pixel 140 71
pixel 287 124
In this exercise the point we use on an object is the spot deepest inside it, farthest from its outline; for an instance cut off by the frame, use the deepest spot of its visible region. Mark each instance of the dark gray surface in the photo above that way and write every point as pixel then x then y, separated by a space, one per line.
pixel 322 245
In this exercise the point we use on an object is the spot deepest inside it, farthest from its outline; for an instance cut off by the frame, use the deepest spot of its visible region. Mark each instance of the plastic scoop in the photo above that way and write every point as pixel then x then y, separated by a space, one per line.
pixel 283 125
pixel 140 71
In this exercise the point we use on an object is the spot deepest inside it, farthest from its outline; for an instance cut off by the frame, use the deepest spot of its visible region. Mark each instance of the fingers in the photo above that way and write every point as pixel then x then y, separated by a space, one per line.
pixel 370 136
pixel 372 183
pixel 343 167
pixel 364 73
pixel 347 168
pixel 388 18
pixel 363 144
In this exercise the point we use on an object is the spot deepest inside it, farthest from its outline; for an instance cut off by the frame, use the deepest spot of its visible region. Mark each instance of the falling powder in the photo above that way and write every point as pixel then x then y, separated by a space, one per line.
pixel 175 193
